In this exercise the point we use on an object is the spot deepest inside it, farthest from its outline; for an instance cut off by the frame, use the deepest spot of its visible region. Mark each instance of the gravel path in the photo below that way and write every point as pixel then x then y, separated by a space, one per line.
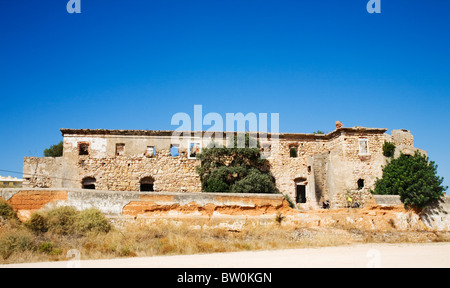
pixel 366 255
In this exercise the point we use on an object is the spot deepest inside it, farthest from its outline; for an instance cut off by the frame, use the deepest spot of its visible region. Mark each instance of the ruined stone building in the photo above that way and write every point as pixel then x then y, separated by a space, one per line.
pixel 309 168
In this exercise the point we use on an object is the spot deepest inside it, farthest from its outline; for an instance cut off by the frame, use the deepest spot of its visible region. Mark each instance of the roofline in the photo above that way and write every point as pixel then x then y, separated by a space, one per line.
pixel 287 136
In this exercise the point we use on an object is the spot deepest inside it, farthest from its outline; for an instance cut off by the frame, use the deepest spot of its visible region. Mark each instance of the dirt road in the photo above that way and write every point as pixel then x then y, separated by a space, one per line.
pixel 367 255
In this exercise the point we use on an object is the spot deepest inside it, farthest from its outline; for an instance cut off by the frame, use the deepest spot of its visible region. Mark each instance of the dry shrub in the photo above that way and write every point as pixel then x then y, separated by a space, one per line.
pixel 92 220
pixel 6 211
pixel 67 220
pixel 15 241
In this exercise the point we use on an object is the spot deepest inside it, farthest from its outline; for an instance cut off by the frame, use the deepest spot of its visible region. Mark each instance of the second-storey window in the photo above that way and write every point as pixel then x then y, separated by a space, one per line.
pixel 363 146
pixel 174 150
pixel 83 149
pixel 120 149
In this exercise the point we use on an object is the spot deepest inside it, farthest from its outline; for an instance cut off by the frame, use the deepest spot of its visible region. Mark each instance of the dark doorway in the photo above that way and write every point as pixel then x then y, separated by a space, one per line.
pixel 146 187
pixel 301 194
pixel 88 183
pixel 360 184
pixel 146 184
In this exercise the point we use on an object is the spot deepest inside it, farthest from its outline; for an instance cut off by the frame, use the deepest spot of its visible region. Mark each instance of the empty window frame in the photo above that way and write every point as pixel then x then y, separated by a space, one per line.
pixel 194 149
pixel 120 149
pixel 150 152
pixel 363 146
pixel 174 150
pixel 83 148
pixel 293 150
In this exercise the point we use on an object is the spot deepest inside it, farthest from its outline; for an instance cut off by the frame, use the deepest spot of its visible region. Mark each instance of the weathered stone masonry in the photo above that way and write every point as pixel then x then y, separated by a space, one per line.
pixel 328 167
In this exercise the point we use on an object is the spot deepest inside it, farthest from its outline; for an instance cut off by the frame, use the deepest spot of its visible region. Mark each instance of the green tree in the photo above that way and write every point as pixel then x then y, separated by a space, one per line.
pixel 54 150
pixel 233 169
pixel 414 178
pixel 255 182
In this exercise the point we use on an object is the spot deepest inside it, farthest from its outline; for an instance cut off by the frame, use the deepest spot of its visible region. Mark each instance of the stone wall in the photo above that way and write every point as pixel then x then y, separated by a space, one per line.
pixel 122 173
pixel 44 172
pixel 328 165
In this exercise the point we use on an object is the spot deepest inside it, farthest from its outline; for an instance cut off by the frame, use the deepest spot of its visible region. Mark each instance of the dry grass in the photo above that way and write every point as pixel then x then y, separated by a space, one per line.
pixel 171 237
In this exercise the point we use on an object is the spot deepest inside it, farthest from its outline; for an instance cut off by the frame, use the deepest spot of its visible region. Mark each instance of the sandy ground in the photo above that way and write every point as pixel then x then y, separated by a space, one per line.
pixel 366 255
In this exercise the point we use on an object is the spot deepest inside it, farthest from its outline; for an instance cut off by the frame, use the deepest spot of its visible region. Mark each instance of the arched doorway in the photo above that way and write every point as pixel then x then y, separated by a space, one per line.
pixel 88 183
pixel 146 184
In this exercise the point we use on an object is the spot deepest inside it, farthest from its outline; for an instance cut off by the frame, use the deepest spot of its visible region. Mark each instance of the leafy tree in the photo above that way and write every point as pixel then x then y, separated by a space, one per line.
pixel 413 178
pixel 255 182
pixel 54 150
pixel 233 169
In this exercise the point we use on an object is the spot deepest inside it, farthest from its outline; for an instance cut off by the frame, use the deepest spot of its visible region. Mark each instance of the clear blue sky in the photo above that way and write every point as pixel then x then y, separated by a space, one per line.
pixel 133 64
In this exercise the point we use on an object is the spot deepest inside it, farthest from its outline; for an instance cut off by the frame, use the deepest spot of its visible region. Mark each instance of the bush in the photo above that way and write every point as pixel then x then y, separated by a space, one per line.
pixel 413 178
pixel 6 211
pixel 46 247
pixel 68 221
pixel 388 149
pixel 37 223
pixel 255 182
pixel 92 220
pixel 61 220
pixel 17 241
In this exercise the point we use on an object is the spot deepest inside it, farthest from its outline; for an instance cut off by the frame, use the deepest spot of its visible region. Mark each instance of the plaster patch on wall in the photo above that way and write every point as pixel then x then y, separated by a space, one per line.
pixel 97 145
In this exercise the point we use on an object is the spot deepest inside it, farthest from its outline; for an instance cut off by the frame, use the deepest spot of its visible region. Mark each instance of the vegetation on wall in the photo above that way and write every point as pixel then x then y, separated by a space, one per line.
pixel 388 149
pixel 237 170
pixel 414 178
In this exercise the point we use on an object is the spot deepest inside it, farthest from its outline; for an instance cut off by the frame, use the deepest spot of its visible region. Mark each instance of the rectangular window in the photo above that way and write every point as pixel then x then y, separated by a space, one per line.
pixel 363 147
pixel 120 149
pixel 83 149
pixel 174 150
pixel 293 150
pixel 150 151
pixel 194 149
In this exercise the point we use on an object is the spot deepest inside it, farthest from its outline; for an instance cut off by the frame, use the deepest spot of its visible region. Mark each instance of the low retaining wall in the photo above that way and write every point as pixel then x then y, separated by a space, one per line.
pixel 134 204
pixel 436 216
pixel 387 213
pixel 387 200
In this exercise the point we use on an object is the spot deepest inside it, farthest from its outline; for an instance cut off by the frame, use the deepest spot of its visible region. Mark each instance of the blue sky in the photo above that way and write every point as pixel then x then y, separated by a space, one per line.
pixel 133 64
